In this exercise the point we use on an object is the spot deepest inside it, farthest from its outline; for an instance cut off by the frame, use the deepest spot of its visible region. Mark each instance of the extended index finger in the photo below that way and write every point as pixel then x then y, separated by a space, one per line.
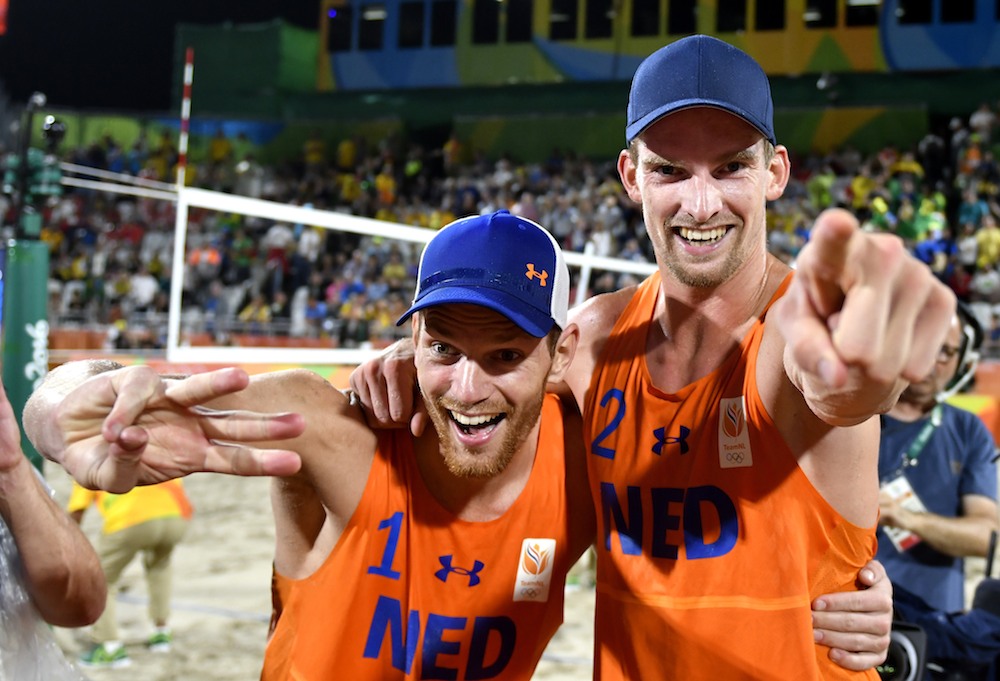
pixel 824 259
pixel 199 389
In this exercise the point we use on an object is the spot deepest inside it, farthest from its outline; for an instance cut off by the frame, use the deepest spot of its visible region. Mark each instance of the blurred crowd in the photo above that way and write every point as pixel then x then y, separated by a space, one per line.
pixel 247 277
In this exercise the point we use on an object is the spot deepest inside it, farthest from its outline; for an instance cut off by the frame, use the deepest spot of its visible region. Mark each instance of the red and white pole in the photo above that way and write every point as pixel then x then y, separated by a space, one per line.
pixel 182 145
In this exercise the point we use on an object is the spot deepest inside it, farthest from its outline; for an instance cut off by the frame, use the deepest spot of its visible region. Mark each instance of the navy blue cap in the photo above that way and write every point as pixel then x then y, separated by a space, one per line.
pixel 504 262
pixel 699 71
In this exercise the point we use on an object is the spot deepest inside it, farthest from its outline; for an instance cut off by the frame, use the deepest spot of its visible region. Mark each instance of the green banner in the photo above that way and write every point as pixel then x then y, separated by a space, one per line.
pixel 25 326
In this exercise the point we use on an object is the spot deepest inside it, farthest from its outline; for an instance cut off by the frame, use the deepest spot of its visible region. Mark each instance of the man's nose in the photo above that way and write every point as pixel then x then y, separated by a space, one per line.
pixel 705 198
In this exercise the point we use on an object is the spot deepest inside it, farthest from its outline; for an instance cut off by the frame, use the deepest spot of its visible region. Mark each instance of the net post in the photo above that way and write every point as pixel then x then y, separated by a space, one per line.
pixel 182 144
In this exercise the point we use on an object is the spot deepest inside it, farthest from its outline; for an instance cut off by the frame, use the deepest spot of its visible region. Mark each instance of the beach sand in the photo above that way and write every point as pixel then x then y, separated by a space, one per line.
pixel 222 597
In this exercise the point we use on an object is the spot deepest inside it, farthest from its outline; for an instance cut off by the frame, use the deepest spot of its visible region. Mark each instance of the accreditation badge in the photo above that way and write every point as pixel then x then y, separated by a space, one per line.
pixel 900 490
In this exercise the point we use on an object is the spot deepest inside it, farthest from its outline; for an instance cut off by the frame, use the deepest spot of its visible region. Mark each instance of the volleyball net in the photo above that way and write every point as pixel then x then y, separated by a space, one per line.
pixel 204 218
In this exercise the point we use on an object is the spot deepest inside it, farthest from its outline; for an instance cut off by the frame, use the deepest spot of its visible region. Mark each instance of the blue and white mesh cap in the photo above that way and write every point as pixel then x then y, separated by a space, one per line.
pixel 503 262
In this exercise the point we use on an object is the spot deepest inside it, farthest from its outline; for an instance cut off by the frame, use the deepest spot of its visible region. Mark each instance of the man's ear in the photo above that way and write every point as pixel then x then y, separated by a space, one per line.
pixel 627 174
pixel 564 352
pixel 781 170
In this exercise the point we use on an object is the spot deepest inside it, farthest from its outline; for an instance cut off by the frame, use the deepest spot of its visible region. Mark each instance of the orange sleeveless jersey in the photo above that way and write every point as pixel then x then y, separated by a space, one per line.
pixel 412 592
pixel 711 542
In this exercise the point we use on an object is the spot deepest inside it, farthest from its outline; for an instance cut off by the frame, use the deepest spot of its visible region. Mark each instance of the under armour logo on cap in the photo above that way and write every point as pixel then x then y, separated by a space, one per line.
pixel 541 276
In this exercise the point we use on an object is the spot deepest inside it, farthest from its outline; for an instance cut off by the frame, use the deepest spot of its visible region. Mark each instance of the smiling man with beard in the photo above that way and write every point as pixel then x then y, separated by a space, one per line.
pixel 442 556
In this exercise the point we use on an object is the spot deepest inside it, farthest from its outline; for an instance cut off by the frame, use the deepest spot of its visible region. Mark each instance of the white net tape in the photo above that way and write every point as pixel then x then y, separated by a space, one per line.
pixel 230 203
pixel 180 350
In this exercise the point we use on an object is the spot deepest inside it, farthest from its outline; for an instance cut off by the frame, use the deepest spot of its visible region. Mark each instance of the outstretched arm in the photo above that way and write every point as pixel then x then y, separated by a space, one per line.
pixel 62 572
pixel 115 427
pixel 861 318
pixel 855 625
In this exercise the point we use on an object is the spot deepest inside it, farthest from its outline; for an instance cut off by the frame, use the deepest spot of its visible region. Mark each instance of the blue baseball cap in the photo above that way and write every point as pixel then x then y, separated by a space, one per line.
pixel 504 262
pixel 699 71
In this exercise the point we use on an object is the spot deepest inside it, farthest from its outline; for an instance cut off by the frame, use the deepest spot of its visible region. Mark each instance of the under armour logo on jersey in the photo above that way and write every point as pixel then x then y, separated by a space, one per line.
pixel 542 276
pixel 447 568
pixel 663 439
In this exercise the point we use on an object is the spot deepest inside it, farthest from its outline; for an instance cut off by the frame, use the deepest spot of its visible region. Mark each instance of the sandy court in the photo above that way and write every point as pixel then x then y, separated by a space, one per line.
pixel 222 599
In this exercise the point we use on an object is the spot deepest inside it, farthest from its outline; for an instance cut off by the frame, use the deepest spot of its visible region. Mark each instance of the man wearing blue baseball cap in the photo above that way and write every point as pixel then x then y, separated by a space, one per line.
pixel 443 556
pixel 731 406
pixel 728 406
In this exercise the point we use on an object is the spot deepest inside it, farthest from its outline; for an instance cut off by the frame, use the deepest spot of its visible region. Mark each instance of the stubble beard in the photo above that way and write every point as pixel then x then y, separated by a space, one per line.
pixel 681 270
pixel 482 463
pixel 702 278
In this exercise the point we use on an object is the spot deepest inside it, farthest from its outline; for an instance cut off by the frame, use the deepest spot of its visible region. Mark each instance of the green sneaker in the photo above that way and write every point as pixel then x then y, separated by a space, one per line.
pixel 99 656
pixel 159 642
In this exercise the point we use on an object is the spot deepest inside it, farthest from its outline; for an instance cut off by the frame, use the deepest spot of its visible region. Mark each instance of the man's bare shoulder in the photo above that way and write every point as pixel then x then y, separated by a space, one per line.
pixel 595 317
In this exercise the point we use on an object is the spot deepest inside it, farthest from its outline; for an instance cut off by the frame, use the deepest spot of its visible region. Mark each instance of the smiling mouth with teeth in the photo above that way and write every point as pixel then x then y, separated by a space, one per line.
pixel 702 236
pixel 470 423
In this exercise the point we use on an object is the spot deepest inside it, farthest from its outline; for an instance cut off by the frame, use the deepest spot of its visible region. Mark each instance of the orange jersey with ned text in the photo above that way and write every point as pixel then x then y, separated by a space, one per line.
pixel 712 542
pixel 412 592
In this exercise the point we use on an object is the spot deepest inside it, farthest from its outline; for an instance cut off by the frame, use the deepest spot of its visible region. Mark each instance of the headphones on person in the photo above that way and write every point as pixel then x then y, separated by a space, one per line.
pixel 968 352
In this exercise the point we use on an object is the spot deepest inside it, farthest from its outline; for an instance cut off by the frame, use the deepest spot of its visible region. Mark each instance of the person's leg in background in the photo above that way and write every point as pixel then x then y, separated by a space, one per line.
pixel 116 551
pixel 167 533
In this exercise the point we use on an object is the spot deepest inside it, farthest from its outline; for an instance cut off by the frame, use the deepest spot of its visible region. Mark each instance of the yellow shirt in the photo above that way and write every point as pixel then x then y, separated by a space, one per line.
pixel 140 505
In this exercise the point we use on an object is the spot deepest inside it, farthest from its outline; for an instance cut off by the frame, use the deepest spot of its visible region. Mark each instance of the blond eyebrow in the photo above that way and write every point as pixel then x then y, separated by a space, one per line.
pixel 747 155
pixel 750 156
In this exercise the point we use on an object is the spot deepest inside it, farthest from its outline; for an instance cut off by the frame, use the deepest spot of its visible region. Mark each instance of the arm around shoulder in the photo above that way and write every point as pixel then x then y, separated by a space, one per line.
pixel 595 318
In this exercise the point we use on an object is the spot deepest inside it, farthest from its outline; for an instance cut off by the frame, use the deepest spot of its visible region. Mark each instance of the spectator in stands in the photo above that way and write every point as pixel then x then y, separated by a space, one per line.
pixel 354 323
pixel 316 314
pixel 256 314
pixel 988 242
pixel 452 154
pixel 939 251
pixel 972 208
pixel 204 265
pixel 983 122
pixel 142 290
pixel 985 286
pixel 932 153
pixel 314 155
pixel 220 149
